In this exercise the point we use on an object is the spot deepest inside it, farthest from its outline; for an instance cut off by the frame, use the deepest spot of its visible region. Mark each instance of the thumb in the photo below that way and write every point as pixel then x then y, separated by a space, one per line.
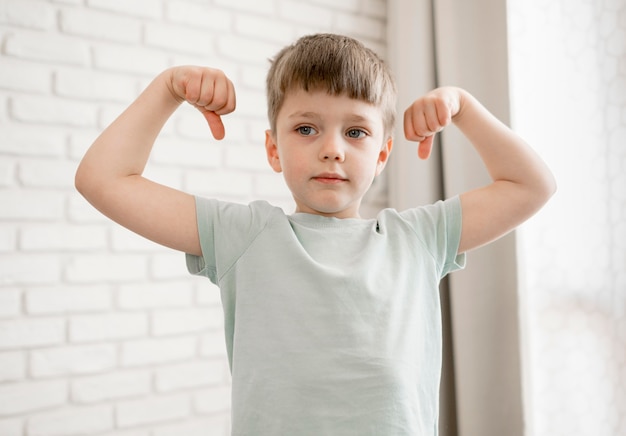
pixel 425 147
pixel 215 124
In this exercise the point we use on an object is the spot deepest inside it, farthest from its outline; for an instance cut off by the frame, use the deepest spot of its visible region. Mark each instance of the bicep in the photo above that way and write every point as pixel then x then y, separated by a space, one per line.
pixel 492 211
pixel 159 213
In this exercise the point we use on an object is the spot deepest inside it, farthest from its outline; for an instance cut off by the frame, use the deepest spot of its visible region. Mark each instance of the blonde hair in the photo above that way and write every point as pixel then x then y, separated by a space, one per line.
pixel 337 64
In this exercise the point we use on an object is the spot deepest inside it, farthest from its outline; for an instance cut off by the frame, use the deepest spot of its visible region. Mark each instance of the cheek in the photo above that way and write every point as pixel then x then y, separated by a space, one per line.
pixel 293 165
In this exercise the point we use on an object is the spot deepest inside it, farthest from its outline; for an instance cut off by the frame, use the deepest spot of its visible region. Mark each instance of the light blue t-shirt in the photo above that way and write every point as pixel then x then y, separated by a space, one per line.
pixel 333 326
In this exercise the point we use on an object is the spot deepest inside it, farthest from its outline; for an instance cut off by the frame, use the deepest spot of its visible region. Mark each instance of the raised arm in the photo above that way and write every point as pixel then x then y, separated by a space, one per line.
pixel 110 174
pixel 521 181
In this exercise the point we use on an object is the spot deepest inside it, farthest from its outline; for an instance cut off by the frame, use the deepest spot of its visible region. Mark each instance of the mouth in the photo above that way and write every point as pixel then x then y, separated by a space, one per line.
pixel 330 178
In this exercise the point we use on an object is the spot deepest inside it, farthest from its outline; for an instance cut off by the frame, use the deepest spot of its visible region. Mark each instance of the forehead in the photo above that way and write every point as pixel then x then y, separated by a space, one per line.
pixel 299 103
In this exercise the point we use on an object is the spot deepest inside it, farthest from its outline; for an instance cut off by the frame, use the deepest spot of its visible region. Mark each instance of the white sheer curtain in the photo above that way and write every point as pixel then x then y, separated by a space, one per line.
pixel 568 70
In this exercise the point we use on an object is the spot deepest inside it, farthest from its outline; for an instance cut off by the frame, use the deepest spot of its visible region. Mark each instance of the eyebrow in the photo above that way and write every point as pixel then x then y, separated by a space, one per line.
pixel 302 114
pixel 314 115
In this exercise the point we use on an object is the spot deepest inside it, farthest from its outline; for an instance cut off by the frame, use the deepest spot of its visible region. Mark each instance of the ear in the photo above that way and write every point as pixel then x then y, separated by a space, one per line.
pixel 383 156
pixel 272 151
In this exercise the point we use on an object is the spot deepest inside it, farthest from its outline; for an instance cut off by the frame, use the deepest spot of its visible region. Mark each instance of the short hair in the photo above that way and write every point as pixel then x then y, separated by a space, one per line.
pixel 337 64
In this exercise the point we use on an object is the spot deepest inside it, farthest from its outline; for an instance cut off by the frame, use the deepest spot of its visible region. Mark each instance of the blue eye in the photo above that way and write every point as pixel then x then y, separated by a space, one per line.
pixel 306 130
pixel 355 133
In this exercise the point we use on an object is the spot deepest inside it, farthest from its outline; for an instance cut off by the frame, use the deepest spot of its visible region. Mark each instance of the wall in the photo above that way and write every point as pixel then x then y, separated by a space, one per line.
pixel 101 332
pixel 568 75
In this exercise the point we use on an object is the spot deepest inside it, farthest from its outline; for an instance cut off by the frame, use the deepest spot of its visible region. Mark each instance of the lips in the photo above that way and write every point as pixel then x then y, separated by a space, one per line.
pixel 330 178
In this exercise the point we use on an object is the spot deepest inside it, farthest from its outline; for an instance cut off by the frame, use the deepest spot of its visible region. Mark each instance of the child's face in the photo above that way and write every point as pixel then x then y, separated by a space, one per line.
pixel 329 149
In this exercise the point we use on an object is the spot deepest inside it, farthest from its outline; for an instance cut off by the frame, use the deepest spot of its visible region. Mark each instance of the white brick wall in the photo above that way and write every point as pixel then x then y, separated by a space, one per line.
pixel 102 332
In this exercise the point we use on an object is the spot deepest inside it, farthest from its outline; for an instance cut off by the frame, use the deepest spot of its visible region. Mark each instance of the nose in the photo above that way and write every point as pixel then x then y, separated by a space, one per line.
pixel 332 150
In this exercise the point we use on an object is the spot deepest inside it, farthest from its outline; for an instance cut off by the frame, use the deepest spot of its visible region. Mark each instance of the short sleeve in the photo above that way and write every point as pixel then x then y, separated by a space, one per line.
pixel 438 226
pixel 453 218
pixel 225 231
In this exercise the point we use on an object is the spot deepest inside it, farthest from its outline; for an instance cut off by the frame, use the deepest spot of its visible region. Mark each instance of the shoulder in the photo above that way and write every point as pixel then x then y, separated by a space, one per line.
pixel 439 215
pixel 225 212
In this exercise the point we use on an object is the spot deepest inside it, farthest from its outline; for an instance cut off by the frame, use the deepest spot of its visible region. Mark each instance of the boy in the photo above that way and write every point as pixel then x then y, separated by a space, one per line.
pixel 332 322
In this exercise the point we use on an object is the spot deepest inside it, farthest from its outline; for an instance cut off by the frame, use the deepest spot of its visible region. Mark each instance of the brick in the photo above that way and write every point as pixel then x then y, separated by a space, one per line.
pixel 61 298
pixel 191 124
pixel 270 185
pixel 267 7
pixel 256 130
pixel 264 29
pixel 19 268
pixel 12 367
pixel 168 266
pixel 72 421
pixel 89 85
pixel 213 183
pixel 214 400
pixel 53 110
pixel 4 104
pixel 207 294
pixel 168 322
pixel 42 141
pixel 30 14
pixel 353 6
pixel 247 158
pixel 123 240
pixel 135 432
pixel 98 268
pixel 80 211
pixel 8 238
pixel 47 47
pixel 46 173
pixel 178 38
pixel 133 60
pixel 168 176
pixel 108 113
pixel 253 77
pixel 247 50
pixel 254 104
pixel 198 15
pixel 236 131
pixel 20 204
pixel 67 361
pixel 62 237
pixel 209 426
pixel 23 76
pixel 80 141
pixel 189 375
pixel 7 176
pixel 109 387
pixel 306 13
pixel 157 351
pixel 31 396
pixel 155 295
pixel 186 153
pixel 10 302
pixel 11 427
pixel 138 8
pixel 152 410
pixel 99 25
pixel 103 327
pixel 25 333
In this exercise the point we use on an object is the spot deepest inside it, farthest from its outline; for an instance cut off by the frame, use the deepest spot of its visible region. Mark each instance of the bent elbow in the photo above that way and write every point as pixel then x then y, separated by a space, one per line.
pixel 86 182
pixel 550 187
pixel 81 179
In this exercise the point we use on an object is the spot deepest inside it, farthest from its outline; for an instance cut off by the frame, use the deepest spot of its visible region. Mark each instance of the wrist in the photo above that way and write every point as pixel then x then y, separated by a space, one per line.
pixel 167 79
